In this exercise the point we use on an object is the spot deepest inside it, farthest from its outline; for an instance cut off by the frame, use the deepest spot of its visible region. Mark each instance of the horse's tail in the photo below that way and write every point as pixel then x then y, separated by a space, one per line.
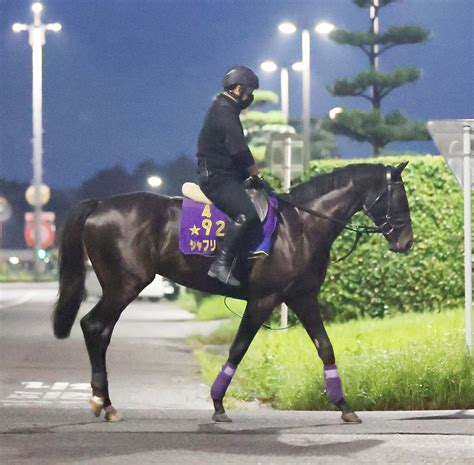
pixel 72 270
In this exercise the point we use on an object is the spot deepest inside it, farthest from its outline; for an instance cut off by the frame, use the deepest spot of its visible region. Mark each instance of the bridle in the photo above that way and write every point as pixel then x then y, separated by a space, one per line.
pixel 387 224
pixel 384 224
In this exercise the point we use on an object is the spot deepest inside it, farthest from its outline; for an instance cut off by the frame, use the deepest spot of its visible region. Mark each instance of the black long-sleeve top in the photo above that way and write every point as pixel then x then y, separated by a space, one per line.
pixel 222 147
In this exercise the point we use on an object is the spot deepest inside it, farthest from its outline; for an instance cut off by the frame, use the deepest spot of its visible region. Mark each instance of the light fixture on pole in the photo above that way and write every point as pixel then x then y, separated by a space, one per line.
pixel 37 37
pixel 320 28
pixel 270 67
pixel 154 181
pixel 333 112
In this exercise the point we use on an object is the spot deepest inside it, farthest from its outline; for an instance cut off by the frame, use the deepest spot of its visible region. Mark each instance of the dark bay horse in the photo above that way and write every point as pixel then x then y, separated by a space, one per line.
pixel 130 238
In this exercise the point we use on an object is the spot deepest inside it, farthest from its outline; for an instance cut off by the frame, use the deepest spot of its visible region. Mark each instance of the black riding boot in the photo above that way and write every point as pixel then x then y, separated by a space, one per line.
pixel 221 268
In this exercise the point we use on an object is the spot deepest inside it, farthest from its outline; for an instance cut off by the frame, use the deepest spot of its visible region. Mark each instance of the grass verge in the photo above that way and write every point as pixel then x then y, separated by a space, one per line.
pixel 409 361
pixel 212 307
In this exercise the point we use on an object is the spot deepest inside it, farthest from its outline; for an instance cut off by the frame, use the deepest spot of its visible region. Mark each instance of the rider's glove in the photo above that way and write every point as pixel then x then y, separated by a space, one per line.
pixel 257 182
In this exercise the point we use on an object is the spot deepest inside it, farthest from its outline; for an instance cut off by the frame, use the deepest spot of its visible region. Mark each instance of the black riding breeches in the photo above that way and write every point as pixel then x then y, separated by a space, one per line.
pixel 230 197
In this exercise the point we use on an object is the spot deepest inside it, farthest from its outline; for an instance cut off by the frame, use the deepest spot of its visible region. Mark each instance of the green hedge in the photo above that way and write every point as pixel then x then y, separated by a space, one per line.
pixel 376 282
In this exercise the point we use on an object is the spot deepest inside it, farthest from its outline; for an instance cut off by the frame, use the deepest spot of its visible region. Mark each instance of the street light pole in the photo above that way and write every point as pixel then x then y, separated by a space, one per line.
pixel 37 37
pixel 269 67
pixel 306 59
pixel 285 93
pixel 321 28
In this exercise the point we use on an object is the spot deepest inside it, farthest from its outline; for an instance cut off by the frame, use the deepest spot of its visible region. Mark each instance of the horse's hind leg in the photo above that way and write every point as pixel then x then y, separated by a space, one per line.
pixel 307 310
pixel 255 315
pixel 97 327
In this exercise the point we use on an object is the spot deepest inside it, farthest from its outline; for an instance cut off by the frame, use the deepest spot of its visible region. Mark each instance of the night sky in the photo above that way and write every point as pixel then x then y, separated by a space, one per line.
pixel 128 80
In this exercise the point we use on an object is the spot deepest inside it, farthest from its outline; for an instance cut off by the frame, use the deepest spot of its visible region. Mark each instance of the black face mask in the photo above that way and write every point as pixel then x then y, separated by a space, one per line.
pixel 243 104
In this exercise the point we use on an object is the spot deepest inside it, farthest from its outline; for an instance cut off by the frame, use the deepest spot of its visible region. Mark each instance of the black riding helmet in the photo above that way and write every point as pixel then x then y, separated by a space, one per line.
pixel 240 75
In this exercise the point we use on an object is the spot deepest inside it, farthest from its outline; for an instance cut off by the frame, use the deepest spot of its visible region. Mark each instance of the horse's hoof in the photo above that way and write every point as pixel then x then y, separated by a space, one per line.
pixel 111 414
pixel 351 418
pixel 221 418
pixel 96 404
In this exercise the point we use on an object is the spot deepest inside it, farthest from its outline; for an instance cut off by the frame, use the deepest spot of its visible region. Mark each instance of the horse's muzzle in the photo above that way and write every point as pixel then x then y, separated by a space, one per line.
pixel 402 248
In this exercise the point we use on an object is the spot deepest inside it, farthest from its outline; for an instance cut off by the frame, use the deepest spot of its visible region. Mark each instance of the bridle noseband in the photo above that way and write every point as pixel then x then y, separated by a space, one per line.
pixel 387 224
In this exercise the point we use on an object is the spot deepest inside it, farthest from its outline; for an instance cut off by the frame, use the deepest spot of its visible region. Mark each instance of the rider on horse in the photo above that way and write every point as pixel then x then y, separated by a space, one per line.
pixel 224 162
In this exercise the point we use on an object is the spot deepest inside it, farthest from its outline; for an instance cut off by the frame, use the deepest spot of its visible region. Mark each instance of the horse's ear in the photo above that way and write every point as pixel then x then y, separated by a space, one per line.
pixel 398 170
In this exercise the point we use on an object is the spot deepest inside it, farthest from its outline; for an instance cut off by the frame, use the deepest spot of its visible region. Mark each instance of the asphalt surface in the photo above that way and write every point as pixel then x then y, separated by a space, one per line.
pixel 155 384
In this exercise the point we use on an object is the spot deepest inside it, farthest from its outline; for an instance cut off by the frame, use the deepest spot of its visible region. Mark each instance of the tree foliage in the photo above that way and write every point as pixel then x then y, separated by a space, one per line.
pixel 106 183
pixel 375 127
pixel 322 141
pixel 361 84
pixel 395 35
pixel 253 119
pixel 374 86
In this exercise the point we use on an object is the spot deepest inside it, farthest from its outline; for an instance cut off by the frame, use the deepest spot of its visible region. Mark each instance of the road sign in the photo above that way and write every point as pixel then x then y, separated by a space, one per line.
pixel 47 230
pixel 44 194
pixel 448 137
pixel 455 140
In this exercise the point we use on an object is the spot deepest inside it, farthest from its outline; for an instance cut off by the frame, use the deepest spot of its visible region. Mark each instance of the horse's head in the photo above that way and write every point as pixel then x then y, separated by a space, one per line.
pixel 388 208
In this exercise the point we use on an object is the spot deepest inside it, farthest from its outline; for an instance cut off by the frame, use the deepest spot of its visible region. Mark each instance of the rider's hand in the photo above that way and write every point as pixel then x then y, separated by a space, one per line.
pixel 257 182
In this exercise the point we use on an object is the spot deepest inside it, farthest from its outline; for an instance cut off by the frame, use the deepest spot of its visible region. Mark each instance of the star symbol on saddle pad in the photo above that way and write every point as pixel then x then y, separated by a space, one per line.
pixel 194 230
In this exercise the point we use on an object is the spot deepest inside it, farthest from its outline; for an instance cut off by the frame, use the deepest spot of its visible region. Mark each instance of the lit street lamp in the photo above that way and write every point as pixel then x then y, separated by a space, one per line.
pixel 37 38
pixel 333 112
pixel 320 28
pixel 270 67
pixel 154 181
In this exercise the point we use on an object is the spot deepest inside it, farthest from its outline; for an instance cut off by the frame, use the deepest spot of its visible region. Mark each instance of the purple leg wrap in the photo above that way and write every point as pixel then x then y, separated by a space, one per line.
pixel 333 383
pixel 222 381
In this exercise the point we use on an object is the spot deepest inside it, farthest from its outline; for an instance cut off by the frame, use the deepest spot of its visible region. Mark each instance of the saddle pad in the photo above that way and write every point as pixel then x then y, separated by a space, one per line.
pixel 202 225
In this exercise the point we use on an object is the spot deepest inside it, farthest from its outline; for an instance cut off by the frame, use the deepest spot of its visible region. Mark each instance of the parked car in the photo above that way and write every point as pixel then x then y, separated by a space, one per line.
pixel 160 287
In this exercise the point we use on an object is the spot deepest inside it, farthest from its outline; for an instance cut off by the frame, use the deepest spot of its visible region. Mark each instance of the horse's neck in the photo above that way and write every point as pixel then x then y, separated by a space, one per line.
pixel 341 204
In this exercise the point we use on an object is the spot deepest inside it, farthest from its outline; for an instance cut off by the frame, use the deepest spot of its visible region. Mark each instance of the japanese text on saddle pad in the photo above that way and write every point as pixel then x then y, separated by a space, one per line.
pixel 201 226
pixel 209 229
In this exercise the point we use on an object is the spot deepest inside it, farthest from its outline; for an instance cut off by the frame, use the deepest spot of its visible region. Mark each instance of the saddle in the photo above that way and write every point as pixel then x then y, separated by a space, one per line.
pixel 258 197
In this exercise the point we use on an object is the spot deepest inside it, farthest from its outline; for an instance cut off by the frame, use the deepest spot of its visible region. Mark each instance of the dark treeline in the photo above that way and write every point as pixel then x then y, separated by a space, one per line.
pixel 105 183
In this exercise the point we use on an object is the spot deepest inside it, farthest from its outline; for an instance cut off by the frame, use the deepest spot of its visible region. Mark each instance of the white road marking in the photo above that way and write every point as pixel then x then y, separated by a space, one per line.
pixel 38 392
pixel 35 385
pixel 59 386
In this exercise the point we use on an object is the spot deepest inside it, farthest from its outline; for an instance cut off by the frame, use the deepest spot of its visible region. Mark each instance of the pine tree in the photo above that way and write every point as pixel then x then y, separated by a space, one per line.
pixel 373 126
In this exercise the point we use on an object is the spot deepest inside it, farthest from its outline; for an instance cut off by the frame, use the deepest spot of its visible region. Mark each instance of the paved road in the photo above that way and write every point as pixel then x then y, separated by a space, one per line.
pixel 155 383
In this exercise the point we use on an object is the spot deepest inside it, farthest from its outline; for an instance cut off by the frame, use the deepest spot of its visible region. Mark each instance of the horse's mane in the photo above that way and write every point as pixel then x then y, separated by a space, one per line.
pixel 327 182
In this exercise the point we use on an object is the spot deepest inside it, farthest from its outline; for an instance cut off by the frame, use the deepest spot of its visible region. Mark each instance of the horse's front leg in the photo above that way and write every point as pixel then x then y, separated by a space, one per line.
pixel 307 310
pixel 255 315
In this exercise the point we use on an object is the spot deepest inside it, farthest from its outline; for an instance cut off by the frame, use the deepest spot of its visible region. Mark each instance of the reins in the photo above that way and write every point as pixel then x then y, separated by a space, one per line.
pixel 358 229
pixel 264 325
